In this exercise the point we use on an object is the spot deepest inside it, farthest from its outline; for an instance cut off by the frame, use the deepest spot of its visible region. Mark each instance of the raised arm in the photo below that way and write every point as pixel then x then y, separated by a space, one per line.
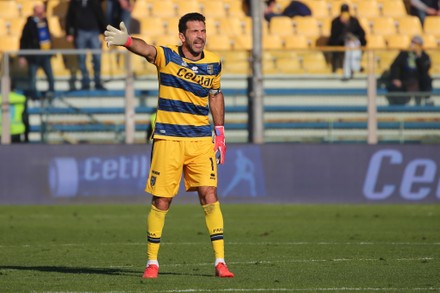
pixel 120 37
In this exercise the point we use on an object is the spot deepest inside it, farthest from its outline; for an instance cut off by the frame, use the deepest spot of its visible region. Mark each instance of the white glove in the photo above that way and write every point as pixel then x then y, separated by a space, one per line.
pixel 116 37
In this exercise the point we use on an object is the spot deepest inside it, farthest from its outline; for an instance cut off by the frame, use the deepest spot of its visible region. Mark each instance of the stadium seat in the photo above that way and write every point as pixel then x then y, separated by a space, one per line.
pixel 281 26
pixel 376 42
pixel 430 42
pixel 272 42
pixel 409 25
pixel 171 25
pixel 234 8
pixel 10 43
pixel 152 26
pixel 214 9
pixel 325 26
pixel 185 6
pixel 26 7
pixel 15 25
pixel 384 59
pixel 393 8
pixel 366 8
pixel 212 26
pixel 163 8
pixel 296 42
pixel 232 26
pixel 242 42
pixel 383 26
pixel 58 66
pixel 287 62
pixel 366 24
pixel 319 8
pixel 235 62
pixel 313 62
pixel 432 26
pixel 141 9
pixel 219 42
pixel 164 40
pixel 9 9
pixel 400 42
pixel 269 63
pixel 3 27
pixel 307 26
pixel 435 61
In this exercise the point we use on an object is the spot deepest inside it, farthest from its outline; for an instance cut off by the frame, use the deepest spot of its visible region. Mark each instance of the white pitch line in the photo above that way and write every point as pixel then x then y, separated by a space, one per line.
pixel 298 289
pixel 232 243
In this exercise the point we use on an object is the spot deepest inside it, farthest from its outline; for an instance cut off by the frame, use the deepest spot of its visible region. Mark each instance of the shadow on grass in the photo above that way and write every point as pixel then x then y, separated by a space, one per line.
pixel 88 271
pixel 73 270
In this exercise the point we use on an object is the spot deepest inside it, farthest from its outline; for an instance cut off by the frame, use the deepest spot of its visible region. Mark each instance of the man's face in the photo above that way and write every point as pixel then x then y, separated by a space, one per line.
pixel 194 38
pixel 39 11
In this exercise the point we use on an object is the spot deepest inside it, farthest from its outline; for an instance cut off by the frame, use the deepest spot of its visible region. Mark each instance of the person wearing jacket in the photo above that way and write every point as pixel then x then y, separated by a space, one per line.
pixel 85 21
pixel 36 36
pixel 409 73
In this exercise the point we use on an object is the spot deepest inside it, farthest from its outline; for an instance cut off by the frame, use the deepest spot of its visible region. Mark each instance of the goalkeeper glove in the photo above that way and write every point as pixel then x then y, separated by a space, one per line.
pixel 220 144
pixel 116 37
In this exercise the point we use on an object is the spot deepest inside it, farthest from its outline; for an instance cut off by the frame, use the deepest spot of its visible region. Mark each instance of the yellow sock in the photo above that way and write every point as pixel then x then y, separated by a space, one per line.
pixel 214 223
pixel 155 223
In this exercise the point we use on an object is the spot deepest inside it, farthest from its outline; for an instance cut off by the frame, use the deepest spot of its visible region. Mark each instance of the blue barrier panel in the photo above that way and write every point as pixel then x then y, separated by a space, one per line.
pixel 290 173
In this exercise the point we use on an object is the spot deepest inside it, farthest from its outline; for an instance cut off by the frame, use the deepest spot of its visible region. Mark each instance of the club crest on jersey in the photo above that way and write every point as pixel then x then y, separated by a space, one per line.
pixel 153 180
pixel 210 69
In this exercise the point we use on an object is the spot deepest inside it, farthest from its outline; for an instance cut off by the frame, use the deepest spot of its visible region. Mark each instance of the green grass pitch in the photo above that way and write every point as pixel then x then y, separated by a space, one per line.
pixel 270 248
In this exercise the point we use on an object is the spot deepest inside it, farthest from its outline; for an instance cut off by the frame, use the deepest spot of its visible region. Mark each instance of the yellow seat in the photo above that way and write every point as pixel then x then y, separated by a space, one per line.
pixel 232 26
pixel 15 26
pixel 432 25
pixel 430 42
pixel 243 42
pixel 400 42
pixel 306 26
pixel 376 42
pixel 164 40
pixel 319 8
pixel 393 8
pixel 26 7
pixel 10 43
pixel 152 26
pixel 272 42
pixel 163 8
pixel 142 9
pixel 171 25
pixel 220 43
pixel 235 62
pixel 313 62
pixel 9 9
pixel 325 26
pixel 384 59
pixel 141 66
pixel 59 66
pixel 212 26
pixel 435 61
pixel 281 26
pixel 366 24
pixel 366 8
pixel 214 9
pixel 409 25
pixel 287 62
pixel 383 26
pixel 234 8
pixel 296 42
pixel 186 6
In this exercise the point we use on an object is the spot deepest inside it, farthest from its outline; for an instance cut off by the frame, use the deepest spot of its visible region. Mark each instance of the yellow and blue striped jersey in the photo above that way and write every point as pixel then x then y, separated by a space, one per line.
pixel 184 86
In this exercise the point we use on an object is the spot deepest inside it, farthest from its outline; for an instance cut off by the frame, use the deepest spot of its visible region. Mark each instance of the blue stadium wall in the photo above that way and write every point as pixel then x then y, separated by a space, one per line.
pixel 271 173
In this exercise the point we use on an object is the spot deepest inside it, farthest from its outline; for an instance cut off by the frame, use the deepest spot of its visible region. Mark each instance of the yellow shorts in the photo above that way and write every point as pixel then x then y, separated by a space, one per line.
pixel 196 159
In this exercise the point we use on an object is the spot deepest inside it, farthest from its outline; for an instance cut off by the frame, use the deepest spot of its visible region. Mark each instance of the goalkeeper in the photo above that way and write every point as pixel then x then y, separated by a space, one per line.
pixel 189 88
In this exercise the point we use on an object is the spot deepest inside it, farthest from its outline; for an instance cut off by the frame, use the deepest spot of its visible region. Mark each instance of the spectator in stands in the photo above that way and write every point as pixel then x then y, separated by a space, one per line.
pixel 346 31
pixel 409 73
pixel 85 21
pixel 36 36
pixel 119 10
pixel 295 8
pixel 422 8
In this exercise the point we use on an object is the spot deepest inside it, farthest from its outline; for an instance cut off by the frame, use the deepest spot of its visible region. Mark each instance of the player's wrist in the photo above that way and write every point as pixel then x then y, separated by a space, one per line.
pixel 219 130
pixel 128 42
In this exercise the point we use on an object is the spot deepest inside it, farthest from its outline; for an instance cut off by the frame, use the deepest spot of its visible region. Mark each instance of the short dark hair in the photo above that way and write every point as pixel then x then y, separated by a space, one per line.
pixel 193 16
